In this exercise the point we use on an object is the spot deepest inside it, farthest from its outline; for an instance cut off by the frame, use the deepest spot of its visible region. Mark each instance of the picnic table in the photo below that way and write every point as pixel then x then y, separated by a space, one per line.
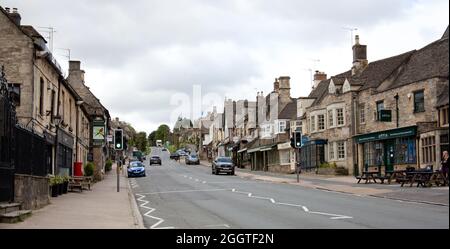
pixel 394 174
pixel 368 176
pixel 80 182
pixel 425 178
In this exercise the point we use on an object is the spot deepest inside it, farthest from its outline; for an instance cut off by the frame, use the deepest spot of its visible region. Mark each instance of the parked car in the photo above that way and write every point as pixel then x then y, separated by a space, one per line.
pixel 136 168
pixel 144 158
pixel 164 149
pixel 155 160
pixel 223 164
pixel 182 153
pixel 175 156
pixel 192 159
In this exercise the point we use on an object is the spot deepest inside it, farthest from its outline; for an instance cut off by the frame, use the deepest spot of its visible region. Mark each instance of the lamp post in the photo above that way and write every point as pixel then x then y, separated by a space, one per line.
pixel 57 120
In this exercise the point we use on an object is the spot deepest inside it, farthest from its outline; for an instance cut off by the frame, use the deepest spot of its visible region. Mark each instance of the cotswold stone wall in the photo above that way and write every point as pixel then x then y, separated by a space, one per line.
pixel 31 191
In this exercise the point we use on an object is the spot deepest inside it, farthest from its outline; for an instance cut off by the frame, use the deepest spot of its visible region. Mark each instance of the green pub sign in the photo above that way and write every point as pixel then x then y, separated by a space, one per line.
pixel 385 115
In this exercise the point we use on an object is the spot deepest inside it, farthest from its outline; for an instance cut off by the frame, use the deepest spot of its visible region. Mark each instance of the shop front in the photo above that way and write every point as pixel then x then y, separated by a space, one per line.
pixel 387 150
pixel 64 157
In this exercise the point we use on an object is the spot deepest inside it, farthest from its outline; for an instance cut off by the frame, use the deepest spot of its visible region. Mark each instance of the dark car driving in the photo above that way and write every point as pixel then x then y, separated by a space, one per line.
pixel 136 168
pixel 192 159
pixel 155 160
pixel 175 156
pixel 223 164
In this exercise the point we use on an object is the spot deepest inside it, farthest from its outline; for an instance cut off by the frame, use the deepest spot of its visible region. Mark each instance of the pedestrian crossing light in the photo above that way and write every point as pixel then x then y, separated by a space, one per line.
pixel 118 139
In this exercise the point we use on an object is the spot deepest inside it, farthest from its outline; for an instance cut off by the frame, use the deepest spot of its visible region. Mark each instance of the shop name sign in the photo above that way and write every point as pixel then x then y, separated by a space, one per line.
pixel 402 132
pixel 385 115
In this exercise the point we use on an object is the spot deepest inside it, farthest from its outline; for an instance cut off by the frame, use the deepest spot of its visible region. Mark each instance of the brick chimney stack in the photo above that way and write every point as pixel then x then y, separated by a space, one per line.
pixel 359 57
pixel 76 75
pixel 276 86
pixel 318 77
pixel 14 15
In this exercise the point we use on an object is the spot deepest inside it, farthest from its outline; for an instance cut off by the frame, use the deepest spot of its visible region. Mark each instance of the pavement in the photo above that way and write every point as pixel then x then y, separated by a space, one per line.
pixel 181 196
pixel 102 207
pixel 349 185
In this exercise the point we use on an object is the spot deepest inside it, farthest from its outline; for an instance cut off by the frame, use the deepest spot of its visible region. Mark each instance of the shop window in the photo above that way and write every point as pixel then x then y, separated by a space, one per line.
pixel 374 154
pixel 340 116
pixel 405 151
pixel 341 150
pixel 285 156
pixel 428 150
pixel 321 122
pixel 419 102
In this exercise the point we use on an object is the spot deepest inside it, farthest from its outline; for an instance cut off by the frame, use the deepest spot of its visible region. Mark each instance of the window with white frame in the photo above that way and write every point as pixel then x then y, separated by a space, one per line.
pixel 331 151
pixel 340 116
pixel 321 122
pixel 281 126
pixel 341 149
pixel 330 118
pixel 362 113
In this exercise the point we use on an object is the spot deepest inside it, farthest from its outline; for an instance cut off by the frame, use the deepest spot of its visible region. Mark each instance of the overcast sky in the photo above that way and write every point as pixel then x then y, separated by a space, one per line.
pixel 142 57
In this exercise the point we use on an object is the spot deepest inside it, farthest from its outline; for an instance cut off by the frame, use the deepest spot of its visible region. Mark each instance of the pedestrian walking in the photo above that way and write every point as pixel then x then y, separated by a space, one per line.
pixel 444 164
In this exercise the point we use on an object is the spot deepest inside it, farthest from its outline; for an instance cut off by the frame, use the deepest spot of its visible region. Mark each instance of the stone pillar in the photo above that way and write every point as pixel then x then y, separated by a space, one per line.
pixel 98 163
pixel 360 151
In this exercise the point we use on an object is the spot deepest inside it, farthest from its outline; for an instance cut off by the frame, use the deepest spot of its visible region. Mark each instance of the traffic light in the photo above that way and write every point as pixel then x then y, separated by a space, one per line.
pixel 118 139
pixel 293 140
pixel 297 139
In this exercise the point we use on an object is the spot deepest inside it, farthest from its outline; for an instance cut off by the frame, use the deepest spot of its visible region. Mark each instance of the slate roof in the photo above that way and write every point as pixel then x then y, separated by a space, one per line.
pixel 289 111
pixel 428 62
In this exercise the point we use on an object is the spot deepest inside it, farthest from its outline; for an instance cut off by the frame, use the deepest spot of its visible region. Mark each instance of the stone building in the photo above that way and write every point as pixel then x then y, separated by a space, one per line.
pixel 34 75
pixel 99 120
pixel 403 120
pixel 271 150
pixel 378 113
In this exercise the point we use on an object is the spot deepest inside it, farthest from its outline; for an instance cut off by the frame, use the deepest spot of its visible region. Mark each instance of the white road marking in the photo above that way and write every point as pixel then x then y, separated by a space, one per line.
pixel 304 208
pixel 186 191
pixel 219 225
pixel 196 180
pixel 204 182
pixel 160 220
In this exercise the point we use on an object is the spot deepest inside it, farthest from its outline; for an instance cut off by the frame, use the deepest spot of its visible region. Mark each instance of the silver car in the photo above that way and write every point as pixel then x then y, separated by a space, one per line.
pixel 222 164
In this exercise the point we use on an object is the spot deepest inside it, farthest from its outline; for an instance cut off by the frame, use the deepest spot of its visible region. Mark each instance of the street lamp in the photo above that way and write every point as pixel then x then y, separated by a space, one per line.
pixel 57 120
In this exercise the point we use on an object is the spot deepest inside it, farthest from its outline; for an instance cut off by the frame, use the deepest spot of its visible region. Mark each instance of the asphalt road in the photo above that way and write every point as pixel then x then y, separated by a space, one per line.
pixel 181 196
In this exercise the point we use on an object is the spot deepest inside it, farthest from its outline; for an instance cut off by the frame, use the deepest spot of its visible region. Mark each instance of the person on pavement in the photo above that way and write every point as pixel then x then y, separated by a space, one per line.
pixel 444 164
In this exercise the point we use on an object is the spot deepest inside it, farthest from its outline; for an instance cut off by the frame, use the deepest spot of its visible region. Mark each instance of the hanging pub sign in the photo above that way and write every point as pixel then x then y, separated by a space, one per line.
pixel 98 132
pixel 385 115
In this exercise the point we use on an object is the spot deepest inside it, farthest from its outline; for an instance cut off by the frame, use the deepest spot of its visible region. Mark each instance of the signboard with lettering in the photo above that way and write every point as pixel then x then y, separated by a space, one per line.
pixel 385 115
pixel 389 134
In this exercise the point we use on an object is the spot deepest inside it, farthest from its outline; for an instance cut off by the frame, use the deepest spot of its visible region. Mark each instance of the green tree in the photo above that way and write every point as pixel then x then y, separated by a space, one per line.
pixel 152 138
pixel 163 133
pixel 140 141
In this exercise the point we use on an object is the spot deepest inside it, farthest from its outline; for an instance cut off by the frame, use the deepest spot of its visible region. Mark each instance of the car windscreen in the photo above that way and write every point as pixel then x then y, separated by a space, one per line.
pixel 136 165
pixel 155 157
pixel 224 159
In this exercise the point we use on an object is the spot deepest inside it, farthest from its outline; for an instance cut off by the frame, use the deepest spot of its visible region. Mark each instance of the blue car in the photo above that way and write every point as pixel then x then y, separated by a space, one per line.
pixel 136 168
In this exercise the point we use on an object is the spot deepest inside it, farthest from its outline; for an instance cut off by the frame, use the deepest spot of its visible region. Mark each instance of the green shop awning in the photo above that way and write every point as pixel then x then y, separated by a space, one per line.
pixel 388 134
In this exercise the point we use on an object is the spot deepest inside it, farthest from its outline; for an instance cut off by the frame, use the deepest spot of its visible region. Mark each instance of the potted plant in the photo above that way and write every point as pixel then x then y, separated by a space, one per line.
pixel 53 186
pixel 59 183
pixel 65 184
pixel 108 165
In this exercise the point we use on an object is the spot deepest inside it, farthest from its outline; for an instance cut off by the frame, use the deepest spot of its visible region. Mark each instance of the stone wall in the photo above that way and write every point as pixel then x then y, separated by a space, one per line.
pixel 31 191
pixel 99 162
pixel 285 169
pixel 16 55
pixel 407 117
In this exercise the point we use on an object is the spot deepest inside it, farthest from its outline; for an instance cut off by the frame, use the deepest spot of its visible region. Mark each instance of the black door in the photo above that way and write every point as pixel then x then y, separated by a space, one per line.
pixel 390 155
